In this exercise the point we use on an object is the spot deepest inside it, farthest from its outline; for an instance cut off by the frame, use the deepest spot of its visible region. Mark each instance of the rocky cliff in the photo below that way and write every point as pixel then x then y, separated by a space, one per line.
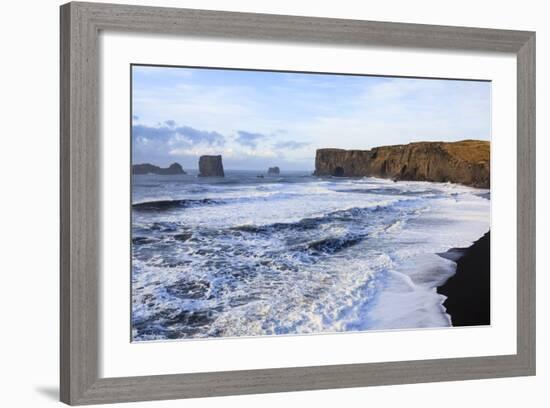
pixel 211 166
pixel 274 171
pixel 147 168
pixel 465 162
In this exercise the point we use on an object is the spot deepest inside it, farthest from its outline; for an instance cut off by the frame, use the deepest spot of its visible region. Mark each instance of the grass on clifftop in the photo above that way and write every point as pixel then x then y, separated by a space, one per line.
pixel 473 151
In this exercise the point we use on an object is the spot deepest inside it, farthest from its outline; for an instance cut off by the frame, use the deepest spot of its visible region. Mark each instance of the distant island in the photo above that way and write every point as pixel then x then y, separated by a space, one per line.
pixel 147 168
pixel 273 171
pixel 466 162
pixel 211 166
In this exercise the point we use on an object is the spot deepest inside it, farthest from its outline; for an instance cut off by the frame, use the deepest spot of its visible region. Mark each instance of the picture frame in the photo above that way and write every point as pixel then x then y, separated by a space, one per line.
pixel 81 24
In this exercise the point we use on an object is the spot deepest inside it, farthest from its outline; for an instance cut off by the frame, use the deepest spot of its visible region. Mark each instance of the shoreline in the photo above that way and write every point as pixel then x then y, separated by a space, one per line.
pixel 468 290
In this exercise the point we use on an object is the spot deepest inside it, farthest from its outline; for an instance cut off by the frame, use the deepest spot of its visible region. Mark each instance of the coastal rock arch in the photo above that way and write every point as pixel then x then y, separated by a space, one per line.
pixel 338 171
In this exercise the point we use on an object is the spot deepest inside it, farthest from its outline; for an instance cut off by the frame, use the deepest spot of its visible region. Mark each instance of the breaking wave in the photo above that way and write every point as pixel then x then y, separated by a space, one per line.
pixel 293 254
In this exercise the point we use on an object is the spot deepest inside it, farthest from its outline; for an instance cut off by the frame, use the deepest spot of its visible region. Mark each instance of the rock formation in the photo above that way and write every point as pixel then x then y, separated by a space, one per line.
pixel 147 168
pixel 211 166
pixel 273 171
pixel 465 162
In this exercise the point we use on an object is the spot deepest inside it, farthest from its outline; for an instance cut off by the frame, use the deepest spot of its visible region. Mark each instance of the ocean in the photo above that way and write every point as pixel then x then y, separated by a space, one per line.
pixel 293 254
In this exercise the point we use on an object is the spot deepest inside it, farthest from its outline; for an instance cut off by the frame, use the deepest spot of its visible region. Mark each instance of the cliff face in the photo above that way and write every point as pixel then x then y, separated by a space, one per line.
pixel 466 162
pixel 211 166
pixel 147 168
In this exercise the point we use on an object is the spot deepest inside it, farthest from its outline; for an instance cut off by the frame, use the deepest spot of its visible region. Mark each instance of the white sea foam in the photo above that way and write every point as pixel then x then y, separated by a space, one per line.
pixel 302 256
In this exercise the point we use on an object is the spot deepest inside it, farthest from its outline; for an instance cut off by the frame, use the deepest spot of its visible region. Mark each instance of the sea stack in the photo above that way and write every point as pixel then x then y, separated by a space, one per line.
pixel 273 171
pixel 147 168
pixel 211 166
pixel 466 162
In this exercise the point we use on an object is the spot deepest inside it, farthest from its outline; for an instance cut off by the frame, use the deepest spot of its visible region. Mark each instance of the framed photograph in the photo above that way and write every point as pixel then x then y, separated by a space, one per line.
pixel 261 203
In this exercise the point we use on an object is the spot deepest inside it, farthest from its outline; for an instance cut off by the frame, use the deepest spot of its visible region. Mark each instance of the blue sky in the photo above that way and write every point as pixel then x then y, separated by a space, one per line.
pixel 258 119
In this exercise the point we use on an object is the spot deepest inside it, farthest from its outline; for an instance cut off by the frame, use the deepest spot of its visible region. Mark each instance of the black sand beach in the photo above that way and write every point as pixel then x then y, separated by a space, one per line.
pixel 468 291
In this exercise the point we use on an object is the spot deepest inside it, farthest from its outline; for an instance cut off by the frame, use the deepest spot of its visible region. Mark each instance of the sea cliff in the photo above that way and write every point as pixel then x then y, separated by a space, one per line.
pixel 466 162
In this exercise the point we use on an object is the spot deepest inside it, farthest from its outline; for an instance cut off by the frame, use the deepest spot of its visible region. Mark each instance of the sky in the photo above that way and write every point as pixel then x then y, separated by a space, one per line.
pixel 261 119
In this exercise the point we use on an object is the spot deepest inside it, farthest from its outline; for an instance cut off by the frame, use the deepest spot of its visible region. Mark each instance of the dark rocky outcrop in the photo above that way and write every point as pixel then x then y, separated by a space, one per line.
pixel 147 168
pixel 466 162
pixel 468 290
pixel 211 166
pixel 274 171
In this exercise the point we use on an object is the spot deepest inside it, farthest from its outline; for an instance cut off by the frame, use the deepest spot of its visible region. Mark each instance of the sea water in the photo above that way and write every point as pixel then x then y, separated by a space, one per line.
pixel 293 254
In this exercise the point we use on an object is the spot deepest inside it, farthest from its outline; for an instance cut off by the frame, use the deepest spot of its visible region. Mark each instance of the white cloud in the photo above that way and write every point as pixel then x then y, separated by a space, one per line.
pixel 314 112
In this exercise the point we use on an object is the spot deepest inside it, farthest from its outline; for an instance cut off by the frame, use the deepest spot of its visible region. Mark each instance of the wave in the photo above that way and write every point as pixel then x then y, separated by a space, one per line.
pixel 302 225
pixel 346 215
pixel 164 205
pixel 389 191
pixel 325 256
pixel 334 245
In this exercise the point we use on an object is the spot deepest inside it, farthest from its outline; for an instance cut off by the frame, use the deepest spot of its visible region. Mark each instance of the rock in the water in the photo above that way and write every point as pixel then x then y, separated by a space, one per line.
pixel 466 162
pixel 211 166
pixel 147 168
pixel 273 171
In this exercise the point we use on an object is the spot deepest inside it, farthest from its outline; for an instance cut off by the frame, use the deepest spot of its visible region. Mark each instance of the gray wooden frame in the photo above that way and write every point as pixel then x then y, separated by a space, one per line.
pixel 80 234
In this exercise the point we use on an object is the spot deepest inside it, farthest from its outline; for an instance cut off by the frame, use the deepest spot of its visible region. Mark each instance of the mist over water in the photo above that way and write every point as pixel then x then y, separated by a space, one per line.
pixel 293 254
